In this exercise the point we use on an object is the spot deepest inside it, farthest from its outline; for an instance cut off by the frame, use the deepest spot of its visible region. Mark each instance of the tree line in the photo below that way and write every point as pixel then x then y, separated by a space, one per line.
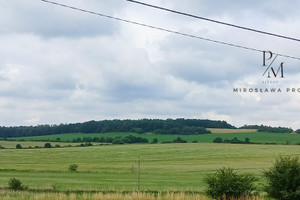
pixel 268 129
pixel 235 140
pixel 130 139
pixel 158 126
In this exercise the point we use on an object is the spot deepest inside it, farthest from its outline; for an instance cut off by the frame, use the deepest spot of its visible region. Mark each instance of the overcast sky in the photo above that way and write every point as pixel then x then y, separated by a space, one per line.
pixel 62 66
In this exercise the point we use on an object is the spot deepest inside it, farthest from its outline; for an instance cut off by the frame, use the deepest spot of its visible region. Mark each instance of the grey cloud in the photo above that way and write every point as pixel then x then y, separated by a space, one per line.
pixel 124 92
pixel 240 9
pixel 60 66
pixel 205 62
pixel 46 20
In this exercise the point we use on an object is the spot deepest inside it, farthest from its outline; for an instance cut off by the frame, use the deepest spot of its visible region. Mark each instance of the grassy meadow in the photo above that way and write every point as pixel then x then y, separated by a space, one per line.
pixel 164 167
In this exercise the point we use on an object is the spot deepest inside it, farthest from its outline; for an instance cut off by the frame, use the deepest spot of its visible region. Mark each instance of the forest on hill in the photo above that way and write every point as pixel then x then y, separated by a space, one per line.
pixel 269 129
pixel 157 126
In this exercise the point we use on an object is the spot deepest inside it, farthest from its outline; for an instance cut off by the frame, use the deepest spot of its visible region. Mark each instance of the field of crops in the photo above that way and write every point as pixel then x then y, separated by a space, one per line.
pixel 164 167
pixel 256 137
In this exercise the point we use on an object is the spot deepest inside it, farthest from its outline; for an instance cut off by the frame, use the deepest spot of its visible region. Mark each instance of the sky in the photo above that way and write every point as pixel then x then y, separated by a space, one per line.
pixel 59 65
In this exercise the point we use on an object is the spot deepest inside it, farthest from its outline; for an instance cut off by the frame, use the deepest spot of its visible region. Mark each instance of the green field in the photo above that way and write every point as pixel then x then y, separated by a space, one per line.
pixel 113 167
pixel 256 137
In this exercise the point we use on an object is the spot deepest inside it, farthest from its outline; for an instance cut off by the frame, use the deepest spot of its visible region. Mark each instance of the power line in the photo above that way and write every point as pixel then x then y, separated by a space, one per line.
pixel 167 30
pixel 215 21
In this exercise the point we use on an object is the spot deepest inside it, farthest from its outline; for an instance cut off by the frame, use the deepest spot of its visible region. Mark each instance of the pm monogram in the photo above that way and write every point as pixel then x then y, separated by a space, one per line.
pixel 267 56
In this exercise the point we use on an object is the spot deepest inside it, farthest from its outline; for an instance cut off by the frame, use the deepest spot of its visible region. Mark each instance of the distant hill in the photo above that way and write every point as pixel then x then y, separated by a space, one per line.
pixel 158 126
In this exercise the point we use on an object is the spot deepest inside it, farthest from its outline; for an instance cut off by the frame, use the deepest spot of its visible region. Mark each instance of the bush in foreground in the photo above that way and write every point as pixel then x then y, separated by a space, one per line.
pixel 227 184
pixel 283 179
pixel 15 184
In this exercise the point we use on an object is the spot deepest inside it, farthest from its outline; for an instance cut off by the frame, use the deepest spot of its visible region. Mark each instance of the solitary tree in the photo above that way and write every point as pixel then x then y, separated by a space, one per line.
pixel 18 146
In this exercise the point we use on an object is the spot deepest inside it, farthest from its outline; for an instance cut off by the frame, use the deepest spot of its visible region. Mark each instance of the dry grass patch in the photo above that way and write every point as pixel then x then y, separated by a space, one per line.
pixel 22 195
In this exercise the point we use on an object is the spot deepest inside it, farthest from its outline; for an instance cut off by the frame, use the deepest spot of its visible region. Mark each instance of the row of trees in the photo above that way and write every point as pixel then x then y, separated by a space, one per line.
pixel 269 129
pixel 159 126
pixel 130 139
pixel 117 140
pixel 235 140
pixel 185 130
pixel 47 145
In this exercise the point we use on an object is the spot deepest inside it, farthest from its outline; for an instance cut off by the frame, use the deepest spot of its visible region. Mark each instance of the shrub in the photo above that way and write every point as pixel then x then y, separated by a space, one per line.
pixel 117 141
pixel 218 140
pixel 18 146
pixel 15 184
pixel 247 140
pixel 227 184
pixel 179 140
pixel 86 144
pixel 73 168
pixel 154 141
pixel 47 145
pixel 283 179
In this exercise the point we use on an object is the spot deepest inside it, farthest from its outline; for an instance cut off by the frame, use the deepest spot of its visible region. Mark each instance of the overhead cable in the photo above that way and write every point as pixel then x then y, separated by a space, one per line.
pixel 167 30
pixel 216 21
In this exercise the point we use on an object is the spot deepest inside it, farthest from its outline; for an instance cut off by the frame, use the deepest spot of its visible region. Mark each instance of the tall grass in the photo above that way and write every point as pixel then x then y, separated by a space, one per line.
pixel 26 195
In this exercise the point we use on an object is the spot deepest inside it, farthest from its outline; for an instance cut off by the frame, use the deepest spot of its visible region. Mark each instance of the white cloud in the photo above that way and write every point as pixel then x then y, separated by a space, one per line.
pixel 61 66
